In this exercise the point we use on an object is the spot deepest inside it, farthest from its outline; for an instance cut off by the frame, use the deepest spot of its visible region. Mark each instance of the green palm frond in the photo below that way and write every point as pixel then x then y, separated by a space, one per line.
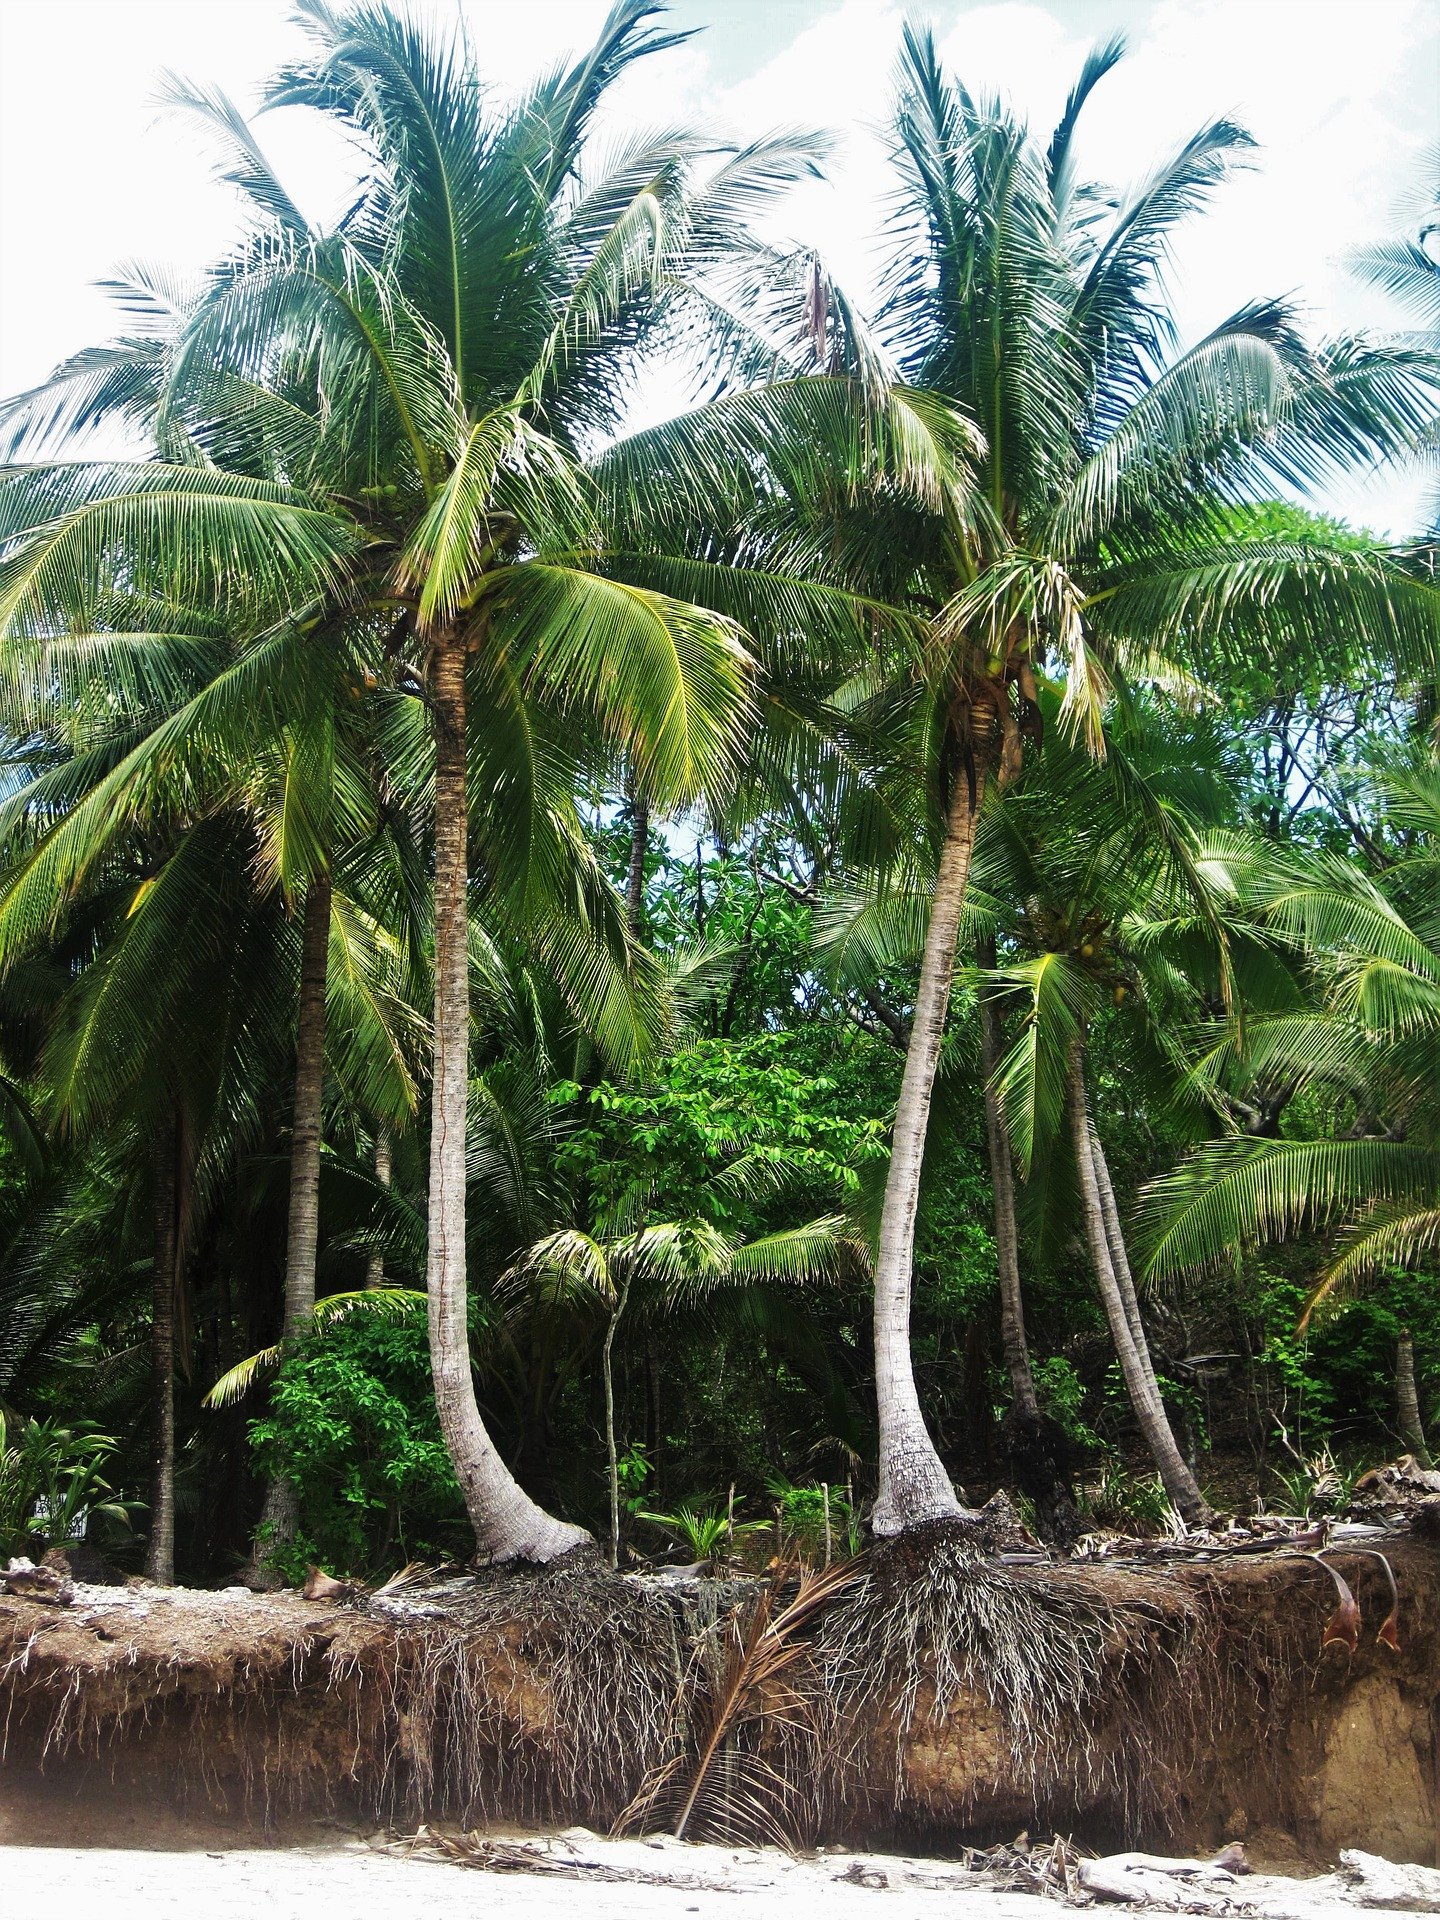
pixel 388 1302
pixel 1226 393
pixel 242 163
pixel 1276 595
pixel 237 1381
pixel 243 548
pixel 668 680
pixel 1230 1193
pixel 1034 1075
pixel 1380 1238
pixel 186 762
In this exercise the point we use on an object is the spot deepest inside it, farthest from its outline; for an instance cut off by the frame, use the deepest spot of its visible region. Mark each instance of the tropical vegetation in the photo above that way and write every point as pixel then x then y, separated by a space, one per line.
pixel 731 982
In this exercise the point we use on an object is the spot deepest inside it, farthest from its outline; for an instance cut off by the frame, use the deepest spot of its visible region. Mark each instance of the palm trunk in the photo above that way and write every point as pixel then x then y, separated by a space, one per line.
pixel 612 1457
pixel 1036 1449
pixel 1412 1427
pixel 639 847
pixel 914 1486
pixel 160 1547
pixel 507 1523
pixel 1178 1480
pixel 303 1230
pixel 1120 1259
pixel 279 1517
pixel 375 1264
pixel 1002 1181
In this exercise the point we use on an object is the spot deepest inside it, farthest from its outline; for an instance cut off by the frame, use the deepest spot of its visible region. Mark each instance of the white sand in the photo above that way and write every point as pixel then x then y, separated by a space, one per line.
pixel 355 1881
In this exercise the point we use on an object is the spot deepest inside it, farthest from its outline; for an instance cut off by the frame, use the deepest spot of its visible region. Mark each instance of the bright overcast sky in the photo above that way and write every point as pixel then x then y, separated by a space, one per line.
pixel 1343 96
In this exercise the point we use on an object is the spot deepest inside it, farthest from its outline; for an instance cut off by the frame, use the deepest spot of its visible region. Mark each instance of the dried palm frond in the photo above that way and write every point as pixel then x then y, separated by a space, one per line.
pixel 1388 1633
pixel 722 1783
pixel 1342 1629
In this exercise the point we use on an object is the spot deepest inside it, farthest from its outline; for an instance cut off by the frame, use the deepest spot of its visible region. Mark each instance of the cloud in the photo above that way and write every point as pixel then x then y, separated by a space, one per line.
pixel 1342 110
pixel 1340 97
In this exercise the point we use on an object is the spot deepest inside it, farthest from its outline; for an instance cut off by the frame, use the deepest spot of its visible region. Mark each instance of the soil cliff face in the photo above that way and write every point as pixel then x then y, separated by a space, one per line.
pixel 1230 1721
pixel 1211 1712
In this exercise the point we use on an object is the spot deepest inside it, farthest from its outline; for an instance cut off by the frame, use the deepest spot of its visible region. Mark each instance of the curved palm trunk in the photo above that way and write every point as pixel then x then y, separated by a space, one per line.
pixel 279 1517
pixel 508 1525
pixel 1412 1427
pixel 375 1264
pixel 914 1486
pixel 1134 1358
pixel 1120 1259
pixel 160 1547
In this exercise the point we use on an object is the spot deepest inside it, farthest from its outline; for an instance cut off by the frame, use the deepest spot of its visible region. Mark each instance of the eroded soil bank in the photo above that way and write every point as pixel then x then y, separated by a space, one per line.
pixel 1172 1707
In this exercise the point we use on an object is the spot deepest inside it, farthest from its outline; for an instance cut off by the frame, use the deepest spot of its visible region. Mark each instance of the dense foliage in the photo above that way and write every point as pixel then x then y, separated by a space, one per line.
pixel 947 820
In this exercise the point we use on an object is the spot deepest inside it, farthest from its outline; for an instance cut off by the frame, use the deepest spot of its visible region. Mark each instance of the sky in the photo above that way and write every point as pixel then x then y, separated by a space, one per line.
pixel 1343 97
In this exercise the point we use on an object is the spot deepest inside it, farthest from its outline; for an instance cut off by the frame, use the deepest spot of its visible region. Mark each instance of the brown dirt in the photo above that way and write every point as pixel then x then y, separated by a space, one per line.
pixel 143 1715
pixel 1222 1718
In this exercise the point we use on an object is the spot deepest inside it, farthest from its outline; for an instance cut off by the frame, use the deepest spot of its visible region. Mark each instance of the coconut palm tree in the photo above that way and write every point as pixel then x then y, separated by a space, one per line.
pixel 430 381
pixel 1106 540
pixel 297 792
pixel 665 1264
pixel 1107 904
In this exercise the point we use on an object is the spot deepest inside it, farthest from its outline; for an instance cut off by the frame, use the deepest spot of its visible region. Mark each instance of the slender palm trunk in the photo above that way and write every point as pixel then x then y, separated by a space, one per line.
pixel 508 1525
pixel 279 1517
pixel 1035 1446
pixel 612 1457
pixel 1138 1374
pixel 639 847
pixel 1120 1259
pixel 1412 1427
pixel 303 1231
pixel 914 1486
pixel 1002 1181
pixel 160 1547
pixel 375 1264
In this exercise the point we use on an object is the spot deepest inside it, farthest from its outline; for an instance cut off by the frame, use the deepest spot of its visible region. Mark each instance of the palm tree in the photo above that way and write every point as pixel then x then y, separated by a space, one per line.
pixel 427 382
pixel 292 787
pixel 1105 537
pixel 1108 903
pixel 1365 1044
pixel 670 1263
pixel 158 1042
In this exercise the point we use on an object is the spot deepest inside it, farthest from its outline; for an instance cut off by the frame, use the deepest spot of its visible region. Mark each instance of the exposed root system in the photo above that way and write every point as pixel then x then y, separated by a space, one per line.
pixel 933 1693
pixel 538 1693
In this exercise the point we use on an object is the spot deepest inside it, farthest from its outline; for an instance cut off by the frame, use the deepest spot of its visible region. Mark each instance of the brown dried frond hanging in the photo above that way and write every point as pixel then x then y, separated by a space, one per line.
pixel 741 1708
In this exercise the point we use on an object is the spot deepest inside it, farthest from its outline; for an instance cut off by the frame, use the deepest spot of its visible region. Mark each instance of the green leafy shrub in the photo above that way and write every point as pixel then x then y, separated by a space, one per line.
pixel 1129 1500
pixel 803 1517
pixel 52 1485
pixel 1336 1380
pixel 1061 1393
pixel 352 1424
pixel 706 1532
pixel 775 1101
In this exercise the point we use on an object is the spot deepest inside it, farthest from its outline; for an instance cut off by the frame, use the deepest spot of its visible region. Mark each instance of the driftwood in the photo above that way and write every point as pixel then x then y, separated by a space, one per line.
pixel 1149 1883
pixel 1056 1871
